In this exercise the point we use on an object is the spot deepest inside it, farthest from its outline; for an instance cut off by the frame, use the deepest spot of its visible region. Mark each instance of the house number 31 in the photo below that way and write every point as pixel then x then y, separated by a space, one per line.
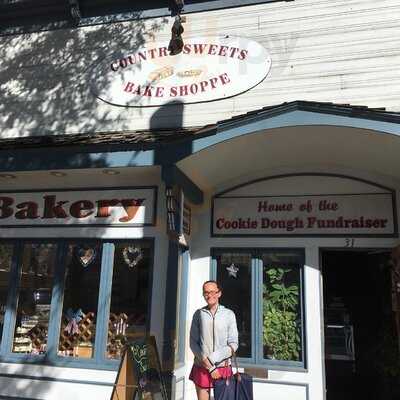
pixel 349 242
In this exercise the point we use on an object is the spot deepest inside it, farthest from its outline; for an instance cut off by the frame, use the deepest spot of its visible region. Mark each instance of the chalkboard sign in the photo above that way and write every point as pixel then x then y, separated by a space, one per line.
pixel 139 376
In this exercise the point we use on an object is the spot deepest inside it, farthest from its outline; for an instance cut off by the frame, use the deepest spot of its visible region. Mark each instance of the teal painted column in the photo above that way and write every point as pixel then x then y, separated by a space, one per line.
pixel 171 301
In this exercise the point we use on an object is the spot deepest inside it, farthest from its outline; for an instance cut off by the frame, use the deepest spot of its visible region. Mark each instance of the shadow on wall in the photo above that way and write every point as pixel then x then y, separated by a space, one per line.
pixel 173 113
pixel 39 388
pixel 45 78
pixel 167 155
pixel 43 88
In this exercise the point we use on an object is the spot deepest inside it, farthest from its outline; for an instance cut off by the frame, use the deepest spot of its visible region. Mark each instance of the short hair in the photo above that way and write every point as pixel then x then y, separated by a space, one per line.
pixel 215 282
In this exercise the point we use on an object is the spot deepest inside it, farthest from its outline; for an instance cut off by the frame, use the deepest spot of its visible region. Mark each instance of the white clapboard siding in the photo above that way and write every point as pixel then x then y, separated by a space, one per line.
pixel 343 51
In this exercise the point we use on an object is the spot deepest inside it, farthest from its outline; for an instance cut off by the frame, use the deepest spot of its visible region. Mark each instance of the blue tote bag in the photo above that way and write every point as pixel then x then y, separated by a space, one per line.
pixel 237 387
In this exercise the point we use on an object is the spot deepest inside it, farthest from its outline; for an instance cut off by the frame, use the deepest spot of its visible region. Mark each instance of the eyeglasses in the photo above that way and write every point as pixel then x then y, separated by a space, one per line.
pixel 210 293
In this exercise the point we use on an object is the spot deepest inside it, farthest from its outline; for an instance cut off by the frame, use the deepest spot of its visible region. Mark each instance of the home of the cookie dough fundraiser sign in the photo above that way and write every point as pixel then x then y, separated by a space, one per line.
pixel 208 68
pixel 326 215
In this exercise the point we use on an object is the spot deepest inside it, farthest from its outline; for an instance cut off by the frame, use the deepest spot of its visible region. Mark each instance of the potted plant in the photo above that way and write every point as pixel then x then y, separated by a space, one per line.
pixel 281 330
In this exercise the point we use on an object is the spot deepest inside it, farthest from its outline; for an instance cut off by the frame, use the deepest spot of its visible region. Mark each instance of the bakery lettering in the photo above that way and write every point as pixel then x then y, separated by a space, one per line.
pixel 53 208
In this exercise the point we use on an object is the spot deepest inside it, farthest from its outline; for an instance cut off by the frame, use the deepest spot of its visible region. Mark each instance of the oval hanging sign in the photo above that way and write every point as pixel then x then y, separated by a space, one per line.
pixel 207 69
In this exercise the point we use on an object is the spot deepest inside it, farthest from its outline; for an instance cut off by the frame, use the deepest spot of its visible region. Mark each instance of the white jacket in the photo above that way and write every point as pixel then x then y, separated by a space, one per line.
pixel 211 336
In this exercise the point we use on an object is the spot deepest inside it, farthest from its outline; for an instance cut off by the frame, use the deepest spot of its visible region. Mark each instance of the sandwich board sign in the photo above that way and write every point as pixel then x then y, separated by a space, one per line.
pixel 139 376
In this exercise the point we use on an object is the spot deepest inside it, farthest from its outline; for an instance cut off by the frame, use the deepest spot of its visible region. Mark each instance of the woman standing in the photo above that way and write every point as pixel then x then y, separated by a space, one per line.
pixel 213 337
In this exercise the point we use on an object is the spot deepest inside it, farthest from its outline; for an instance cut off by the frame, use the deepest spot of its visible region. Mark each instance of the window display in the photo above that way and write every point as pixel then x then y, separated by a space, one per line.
pixel 81 292
pixel 34 298
pixel 101 290
pixel 129 297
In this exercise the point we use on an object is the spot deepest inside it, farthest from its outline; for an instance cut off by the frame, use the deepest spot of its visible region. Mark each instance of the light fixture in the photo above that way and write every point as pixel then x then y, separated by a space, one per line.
pixel 7 176
pixel 58 174
pixel 110 172
pixel 176 43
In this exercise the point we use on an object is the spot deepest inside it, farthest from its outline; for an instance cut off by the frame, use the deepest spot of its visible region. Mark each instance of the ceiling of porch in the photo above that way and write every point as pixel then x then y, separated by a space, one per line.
pixel 293 148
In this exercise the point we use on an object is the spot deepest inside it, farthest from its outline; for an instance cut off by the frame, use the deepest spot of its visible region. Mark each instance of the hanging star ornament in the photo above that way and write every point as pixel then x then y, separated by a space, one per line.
pixel 232 270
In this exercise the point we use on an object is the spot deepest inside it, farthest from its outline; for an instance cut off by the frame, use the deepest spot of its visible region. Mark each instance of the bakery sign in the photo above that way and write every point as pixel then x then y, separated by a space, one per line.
pixel 108 207
pixel 208 68
pixel 371 214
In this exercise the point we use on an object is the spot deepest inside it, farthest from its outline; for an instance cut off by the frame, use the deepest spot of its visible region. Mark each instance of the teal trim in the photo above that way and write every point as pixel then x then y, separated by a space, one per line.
pixel 172 175
pixel 254 307
pixel 9 316
pixel 45 159
pixel 104 301
pixel 170 308
pixel 13 298
pixel 184 253
pixel 294 114
pixel 289 118
pixel 213 268
pixel 259 300
pixel 303 314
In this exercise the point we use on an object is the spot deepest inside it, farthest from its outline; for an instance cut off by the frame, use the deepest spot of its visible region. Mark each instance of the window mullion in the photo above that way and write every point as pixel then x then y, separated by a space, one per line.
pixel 258 315
pixel 182 304
pixel 12 300
pixel 302 313
pixel 57 302
pixel 103 308
pixel 213 268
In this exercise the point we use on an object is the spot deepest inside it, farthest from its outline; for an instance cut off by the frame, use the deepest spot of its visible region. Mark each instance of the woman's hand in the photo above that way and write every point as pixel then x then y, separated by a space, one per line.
pixel 205 362
pixel 215 374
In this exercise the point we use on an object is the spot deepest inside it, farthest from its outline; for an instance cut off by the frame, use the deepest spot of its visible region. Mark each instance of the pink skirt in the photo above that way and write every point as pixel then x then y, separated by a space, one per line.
pixel 202 378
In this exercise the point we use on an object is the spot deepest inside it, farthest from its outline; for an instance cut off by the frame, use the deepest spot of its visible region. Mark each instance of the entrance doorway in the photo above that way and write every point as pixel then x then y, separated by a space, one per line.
pixel 361 346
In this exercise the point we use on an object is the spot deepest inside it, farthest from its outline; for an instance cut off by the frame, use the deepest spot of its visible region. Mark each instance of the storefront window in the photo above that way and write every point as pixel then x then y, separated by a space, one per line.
pixel 234 275
pixel 264 289
pixel 88 308
pixel 130 295
pixel 34 298
pixel 6 252
pixel 281 306
pixel 81 293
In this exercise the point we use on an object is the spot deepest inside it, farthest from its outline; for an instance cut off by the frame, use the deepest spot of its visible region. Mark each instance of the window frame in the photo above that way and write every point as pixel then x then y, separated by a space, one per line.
pixel 257 356
pixel 184 259
pixel 99 359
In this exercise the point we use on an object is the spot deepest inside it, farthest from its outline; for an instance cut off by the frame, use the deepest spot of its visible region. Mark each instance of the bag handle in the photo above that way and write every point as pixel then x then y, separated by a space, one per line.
pixel 239 378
